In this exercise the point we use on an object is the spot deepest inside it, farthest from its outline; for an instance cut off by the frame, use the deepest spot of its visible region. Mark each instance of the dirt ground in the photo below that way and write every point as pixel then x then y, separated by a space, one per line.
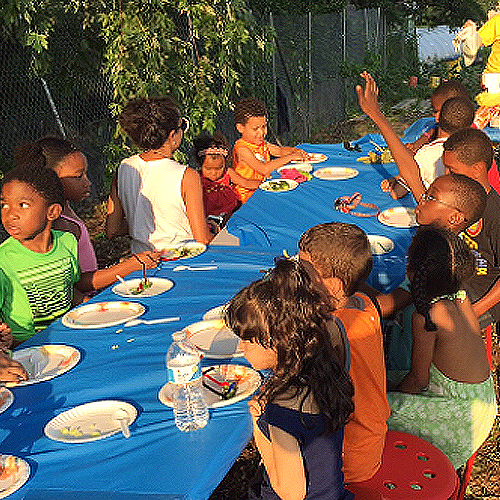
pixel 485 479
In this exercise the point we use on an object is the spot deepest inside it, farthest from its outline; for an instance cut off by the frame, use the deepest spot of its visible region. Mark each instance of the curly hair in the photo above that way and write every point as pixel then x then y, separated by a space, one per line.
pixel 43 180
pixel 285 313
pixel 339 250
pixel 246 108
pixel 149 122
pixel 470 146
pixel 456 113
pixel 48 151
pixel 204 141
pixel 439 262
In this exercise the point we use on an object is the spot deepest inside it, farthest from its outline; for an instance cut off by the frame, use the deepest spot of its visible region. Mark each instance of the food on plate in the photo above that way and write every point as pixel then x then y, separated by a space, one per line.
pixel 277 185
pixel 143 285
pixel 8 468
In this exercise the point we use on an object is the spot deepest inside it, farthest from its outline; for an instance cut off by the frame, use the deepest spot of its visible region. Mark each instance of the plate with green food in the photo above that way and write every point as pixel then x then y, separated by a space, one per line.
pixel 278 185
pixel 184 250
pixel 139 288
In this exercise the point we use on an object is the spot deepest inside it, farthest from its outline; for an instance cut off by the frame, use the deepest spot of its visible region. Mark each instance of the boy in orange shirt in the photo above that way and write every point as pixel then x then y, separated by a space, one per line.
pixel 339 259
pixel 252 153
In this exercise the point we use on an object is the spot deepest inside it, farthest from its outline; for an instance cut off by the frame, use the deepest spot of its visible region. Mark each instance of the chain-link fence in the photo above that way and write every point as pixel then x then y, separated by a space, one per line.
pixel 306 86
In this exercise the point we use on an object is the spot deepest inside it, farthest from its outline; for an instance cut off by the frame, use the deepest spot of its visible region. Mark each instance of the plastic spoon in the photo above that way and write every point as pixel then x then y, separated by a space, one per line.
pixel 136 321
pixel 122 416
pixel 189 268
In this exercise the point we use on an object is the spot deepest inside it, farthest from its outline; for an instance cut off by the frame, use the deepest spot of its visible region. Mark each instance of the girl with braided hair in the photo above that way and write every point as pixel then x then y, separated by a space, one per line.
pixel 448 396
pixel 299 416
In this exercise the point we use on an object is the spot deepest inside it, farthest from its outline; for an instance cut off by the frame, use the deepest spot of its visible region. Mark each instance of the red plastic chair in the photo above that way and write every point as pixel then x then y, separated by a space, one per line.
pixel 411 468
pixel 464 480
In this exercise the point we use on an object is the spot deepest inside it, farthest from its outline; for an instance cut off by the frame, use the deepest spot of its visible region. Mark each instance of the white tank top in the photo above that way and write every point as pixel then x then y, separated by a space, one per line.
pixel 150 193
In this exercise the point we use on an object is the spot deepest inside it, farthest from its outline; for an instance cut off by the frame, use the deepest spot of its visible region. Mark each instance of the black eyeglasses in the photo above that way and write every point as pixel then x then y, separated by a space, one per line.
pixel 428 197
pixel 184 126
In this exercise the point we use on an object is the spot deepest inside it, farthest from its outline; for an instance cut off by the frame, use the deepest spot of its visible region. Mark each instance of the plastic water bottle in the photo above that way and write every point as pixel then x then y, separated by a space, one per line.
pixel 184 373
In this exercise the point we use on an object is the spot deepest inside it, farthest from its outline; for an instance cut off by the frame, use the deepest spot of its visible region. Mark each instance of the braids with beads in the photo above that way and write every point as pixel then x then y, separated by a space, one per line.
pixel 438 263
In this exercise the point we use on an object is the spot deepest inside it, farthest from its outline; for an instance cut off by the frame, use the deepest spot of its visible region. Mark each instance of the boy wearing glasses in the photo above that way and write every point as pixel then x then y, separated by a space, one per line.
pixel 467 152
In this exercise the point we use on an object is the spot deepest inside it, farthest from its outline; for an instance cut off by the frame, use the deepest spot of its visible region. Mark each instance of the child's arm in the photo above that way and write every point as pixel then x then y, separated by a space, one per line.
pixel 282 458
pixel 10 370
pixel 192 194
pixel 95 280
pixel 6 337
pixel 421 357
pixel 286 150
pixel 407 166
pixel 116 223
pixel 237 179
pixel 266 167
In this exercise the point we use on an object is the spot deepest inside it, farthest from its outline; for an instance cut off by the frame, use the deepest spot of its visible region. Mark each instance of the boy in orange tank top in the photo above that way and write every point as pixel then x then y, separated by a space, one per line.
pixel 339 259
pixel 252 153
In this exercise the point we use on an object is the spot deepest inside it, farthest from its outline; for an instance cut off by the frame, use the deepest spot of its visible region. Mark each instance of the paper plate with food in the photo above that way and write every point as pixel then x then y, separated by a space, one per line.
pixel 184 250
pixel 102 314
pixel 14 472
pixel 314 158
pixel 222 385
pixel 380 244
pixel 139 288
pixel 92 421
pixel 45 362
pixel 278 185
pixel 335 173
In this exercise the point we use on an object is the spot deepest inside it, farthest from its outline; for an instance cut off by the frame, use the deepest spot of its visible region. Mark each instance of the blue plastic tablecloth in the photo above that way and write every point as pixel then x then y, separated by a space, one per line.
pixel 157 461
pixel 278 219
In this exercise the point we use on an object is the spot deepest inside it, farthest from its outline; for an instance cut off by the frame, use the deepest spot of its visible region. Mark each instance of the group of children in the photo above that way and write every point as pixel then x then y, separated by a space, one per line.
pixel 446 395
pixel 321 417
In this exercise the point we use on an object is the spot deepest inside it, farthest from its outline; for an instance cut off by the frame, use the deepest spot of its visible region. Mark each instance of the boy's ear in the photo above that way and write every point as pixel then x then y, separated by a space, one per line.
pixel 334 286
pixel 54 211
pixel 240 127
pixel 456 219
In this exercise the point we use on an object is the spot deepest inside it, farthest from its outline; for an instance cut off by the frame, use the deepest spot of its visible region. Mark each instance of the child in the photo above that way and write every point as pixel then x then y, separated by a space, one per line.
pixel 456 113
pixel 251 153
pixel 299 415
pixel 70 165
pixel 339 259
pixel 158 201
pixel 38 266
pixel 443 92
pixel 218 180
pixel 444 400
pixel 468 152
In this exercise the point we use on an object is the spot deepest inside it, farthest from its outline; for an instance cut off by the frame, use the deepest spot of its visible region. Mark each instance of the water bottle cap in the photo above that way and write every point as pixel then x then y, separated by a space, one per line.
pixel 178 336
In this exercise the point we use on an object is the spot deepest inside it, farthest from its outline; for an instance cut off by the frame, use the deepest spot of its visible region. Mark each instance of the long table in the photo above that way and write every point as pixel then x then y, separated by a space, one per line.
pixel 278 219
pixel 157 461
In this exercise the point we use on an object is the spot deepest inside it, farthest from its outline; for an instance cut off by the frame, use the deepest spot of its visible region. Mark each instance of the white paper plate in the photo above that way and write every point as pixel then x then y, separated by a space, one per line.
pixel 159 286
pixel 380 244
pixel 184 250
pixel 314 158
pixel 214 339
pixel 215 313
pixel 248 379
pixel 45 362
pixel 6 398
pixel 335 173
pixel 302 166
pixel 274 185
pixel 89 422
pixel 102 314
pixel 398 217
pixel 19 475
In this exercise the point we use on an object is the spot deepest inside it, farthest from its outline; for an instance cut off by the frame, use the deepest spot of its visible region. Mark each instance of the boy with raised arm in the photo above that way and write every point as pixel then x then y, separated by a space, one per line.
pixel 251 152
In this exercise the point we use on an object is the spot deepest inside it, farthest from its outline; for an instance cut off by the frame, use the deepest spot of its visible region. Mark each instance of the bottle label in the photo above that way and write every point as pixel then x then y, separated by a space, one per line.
pixel 183 374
